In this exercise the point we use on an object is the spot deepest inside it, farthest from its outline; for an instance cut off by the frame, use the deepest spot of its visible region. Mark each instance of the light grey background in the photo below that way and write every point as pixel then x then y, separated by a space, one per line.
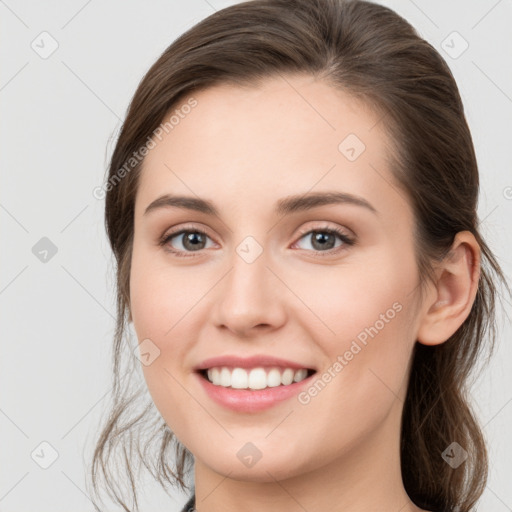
pixel 60 118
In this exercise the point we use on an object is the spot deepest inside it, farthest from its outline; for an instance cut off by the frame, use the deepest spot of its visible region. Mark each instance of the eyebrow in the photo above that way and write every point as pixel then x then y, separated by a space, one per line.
pixel 287 205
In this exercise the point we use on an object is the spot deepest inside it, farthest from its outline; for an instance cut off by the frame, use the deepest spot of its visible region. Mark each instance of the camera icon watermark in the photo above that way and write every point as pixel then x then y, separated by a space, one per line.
pixel 454 455
pixel 146 352
pixel 249 455
pixel 44 45
pixel 454 45
pixel 249 249
pixel 44 455
pixel 351 147
pixel 44 250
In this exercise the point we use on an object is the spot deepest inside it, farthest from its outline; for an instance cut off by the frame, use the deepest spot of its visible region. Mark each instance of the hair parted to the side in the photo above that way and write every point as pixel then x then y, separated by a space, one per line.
pixel 370 52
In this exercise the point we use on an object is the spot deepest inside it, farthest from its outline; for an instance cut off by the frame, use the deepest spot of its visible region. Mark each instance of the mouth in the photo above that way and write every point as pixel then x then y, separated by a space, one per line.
pixel 256 378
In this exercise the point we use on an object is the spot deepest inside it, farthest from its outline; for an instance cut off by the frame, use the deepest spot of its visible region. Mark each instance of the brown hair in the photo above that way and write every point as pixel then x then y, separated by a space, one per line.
pixel 375 55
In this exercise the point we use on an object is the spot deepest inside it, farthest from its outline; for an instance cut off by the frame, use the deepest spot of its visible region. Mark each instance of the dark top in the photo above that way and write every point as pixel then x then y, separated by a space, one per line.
pixel 190 506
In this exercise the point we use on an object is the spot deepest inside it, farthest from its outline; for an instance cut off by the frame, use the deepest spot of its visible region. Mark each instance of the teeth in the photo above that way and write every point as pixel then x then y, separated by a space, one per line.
pixel 274 378
pixel 287 377
pixel 300 375
pixel 257 378
pixel 225 377
pixel 239 378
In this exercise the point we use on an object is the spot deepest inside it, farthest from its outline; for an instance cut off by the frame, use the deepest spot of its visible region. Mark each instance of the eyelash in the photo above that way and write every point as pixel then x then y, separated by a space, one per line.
pixel 347 241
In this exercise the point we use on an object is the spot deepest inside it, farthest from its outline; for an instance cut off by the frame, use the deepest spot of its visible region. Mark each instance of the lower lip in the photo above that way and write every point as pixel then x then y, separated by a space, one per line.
pixel 248 400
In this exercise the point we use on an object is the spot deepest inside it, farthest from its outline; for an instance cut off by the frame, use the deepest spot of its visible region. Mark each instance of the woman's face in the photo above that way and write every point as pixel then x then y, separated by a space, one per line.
pixel 269 280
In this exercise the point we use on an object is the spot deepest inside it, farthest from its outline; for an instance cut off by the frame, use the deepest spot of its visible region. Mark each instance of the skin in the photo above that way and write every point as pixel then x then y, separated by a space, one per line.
pixel 244 149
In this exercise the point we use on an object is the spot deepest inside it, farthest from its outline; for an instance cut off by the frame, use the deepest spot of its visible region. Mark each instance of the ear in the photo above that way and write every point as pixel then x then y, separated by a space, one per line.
pixel 457 284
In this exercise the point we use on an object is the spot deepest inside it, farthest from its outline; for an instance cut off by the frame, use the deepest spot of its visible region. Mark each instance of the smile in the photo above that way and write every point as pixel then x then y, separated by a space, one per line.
pixel 255 378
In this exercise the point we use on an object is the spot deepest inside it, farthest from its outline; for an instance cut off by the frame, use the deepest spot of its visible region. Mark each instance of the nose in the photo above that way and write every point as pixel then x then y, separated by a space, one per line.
pixel 250 298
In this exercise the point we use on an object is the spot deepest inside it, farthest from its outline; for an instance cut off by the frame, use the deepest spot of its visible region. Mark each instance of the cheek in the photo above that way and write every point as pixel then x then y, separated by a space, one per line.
pixel 165 304
pixel 357 298
pixel 161 295
pixel 364 377
pixel 363 319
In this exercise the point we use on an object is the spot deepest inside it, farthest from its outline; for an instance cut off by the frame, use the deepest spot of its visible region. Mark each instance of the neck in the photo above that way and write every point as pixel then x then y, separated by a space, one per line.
pixel 366 477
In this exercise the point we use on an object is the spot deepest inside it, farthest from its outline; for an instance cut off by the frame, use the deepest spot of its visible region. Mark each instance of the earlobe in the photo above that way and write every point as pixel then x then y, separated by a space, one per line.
pixel 448 306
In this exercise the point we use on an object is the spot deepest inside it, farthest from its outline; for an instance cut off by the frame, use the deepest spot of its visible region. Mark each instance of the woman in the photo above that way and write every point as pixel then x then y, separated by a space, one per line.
pixel 292 207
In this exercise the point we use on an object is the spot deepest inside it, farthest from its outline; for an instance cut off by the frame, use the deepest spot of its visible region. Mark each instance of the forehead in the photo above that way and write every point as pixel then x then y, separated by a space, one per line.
pixel 285 136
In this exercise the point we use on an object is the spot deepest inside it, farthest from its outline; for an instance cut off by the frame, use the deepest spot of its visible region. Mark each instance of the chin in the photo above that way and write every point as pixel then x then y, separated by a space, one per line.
pixel 265 470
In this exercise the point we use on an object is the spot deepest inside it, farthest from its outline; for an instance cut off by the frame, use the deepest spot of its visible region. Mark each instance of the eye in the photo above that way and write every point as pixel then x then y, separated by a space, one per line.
pixel 191 240
pixel 323 239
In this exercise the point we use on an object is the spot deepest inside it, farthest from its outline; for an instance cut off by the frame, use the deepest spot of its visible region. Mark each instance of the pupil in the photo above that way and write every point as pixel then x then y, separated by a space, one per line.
pixel 192 238
pixel 320 238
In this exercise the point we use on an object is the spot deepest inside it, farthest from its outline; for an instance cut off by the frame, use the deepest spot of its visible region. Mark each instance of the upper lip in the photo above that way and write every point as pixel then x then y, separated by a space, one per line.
pixel 249 362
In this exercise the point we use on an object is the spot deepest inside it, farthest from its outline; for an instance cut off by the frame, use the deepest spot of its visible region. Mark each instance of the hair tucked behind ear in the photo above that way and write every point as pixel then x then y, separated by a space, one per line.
pixel 371 52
